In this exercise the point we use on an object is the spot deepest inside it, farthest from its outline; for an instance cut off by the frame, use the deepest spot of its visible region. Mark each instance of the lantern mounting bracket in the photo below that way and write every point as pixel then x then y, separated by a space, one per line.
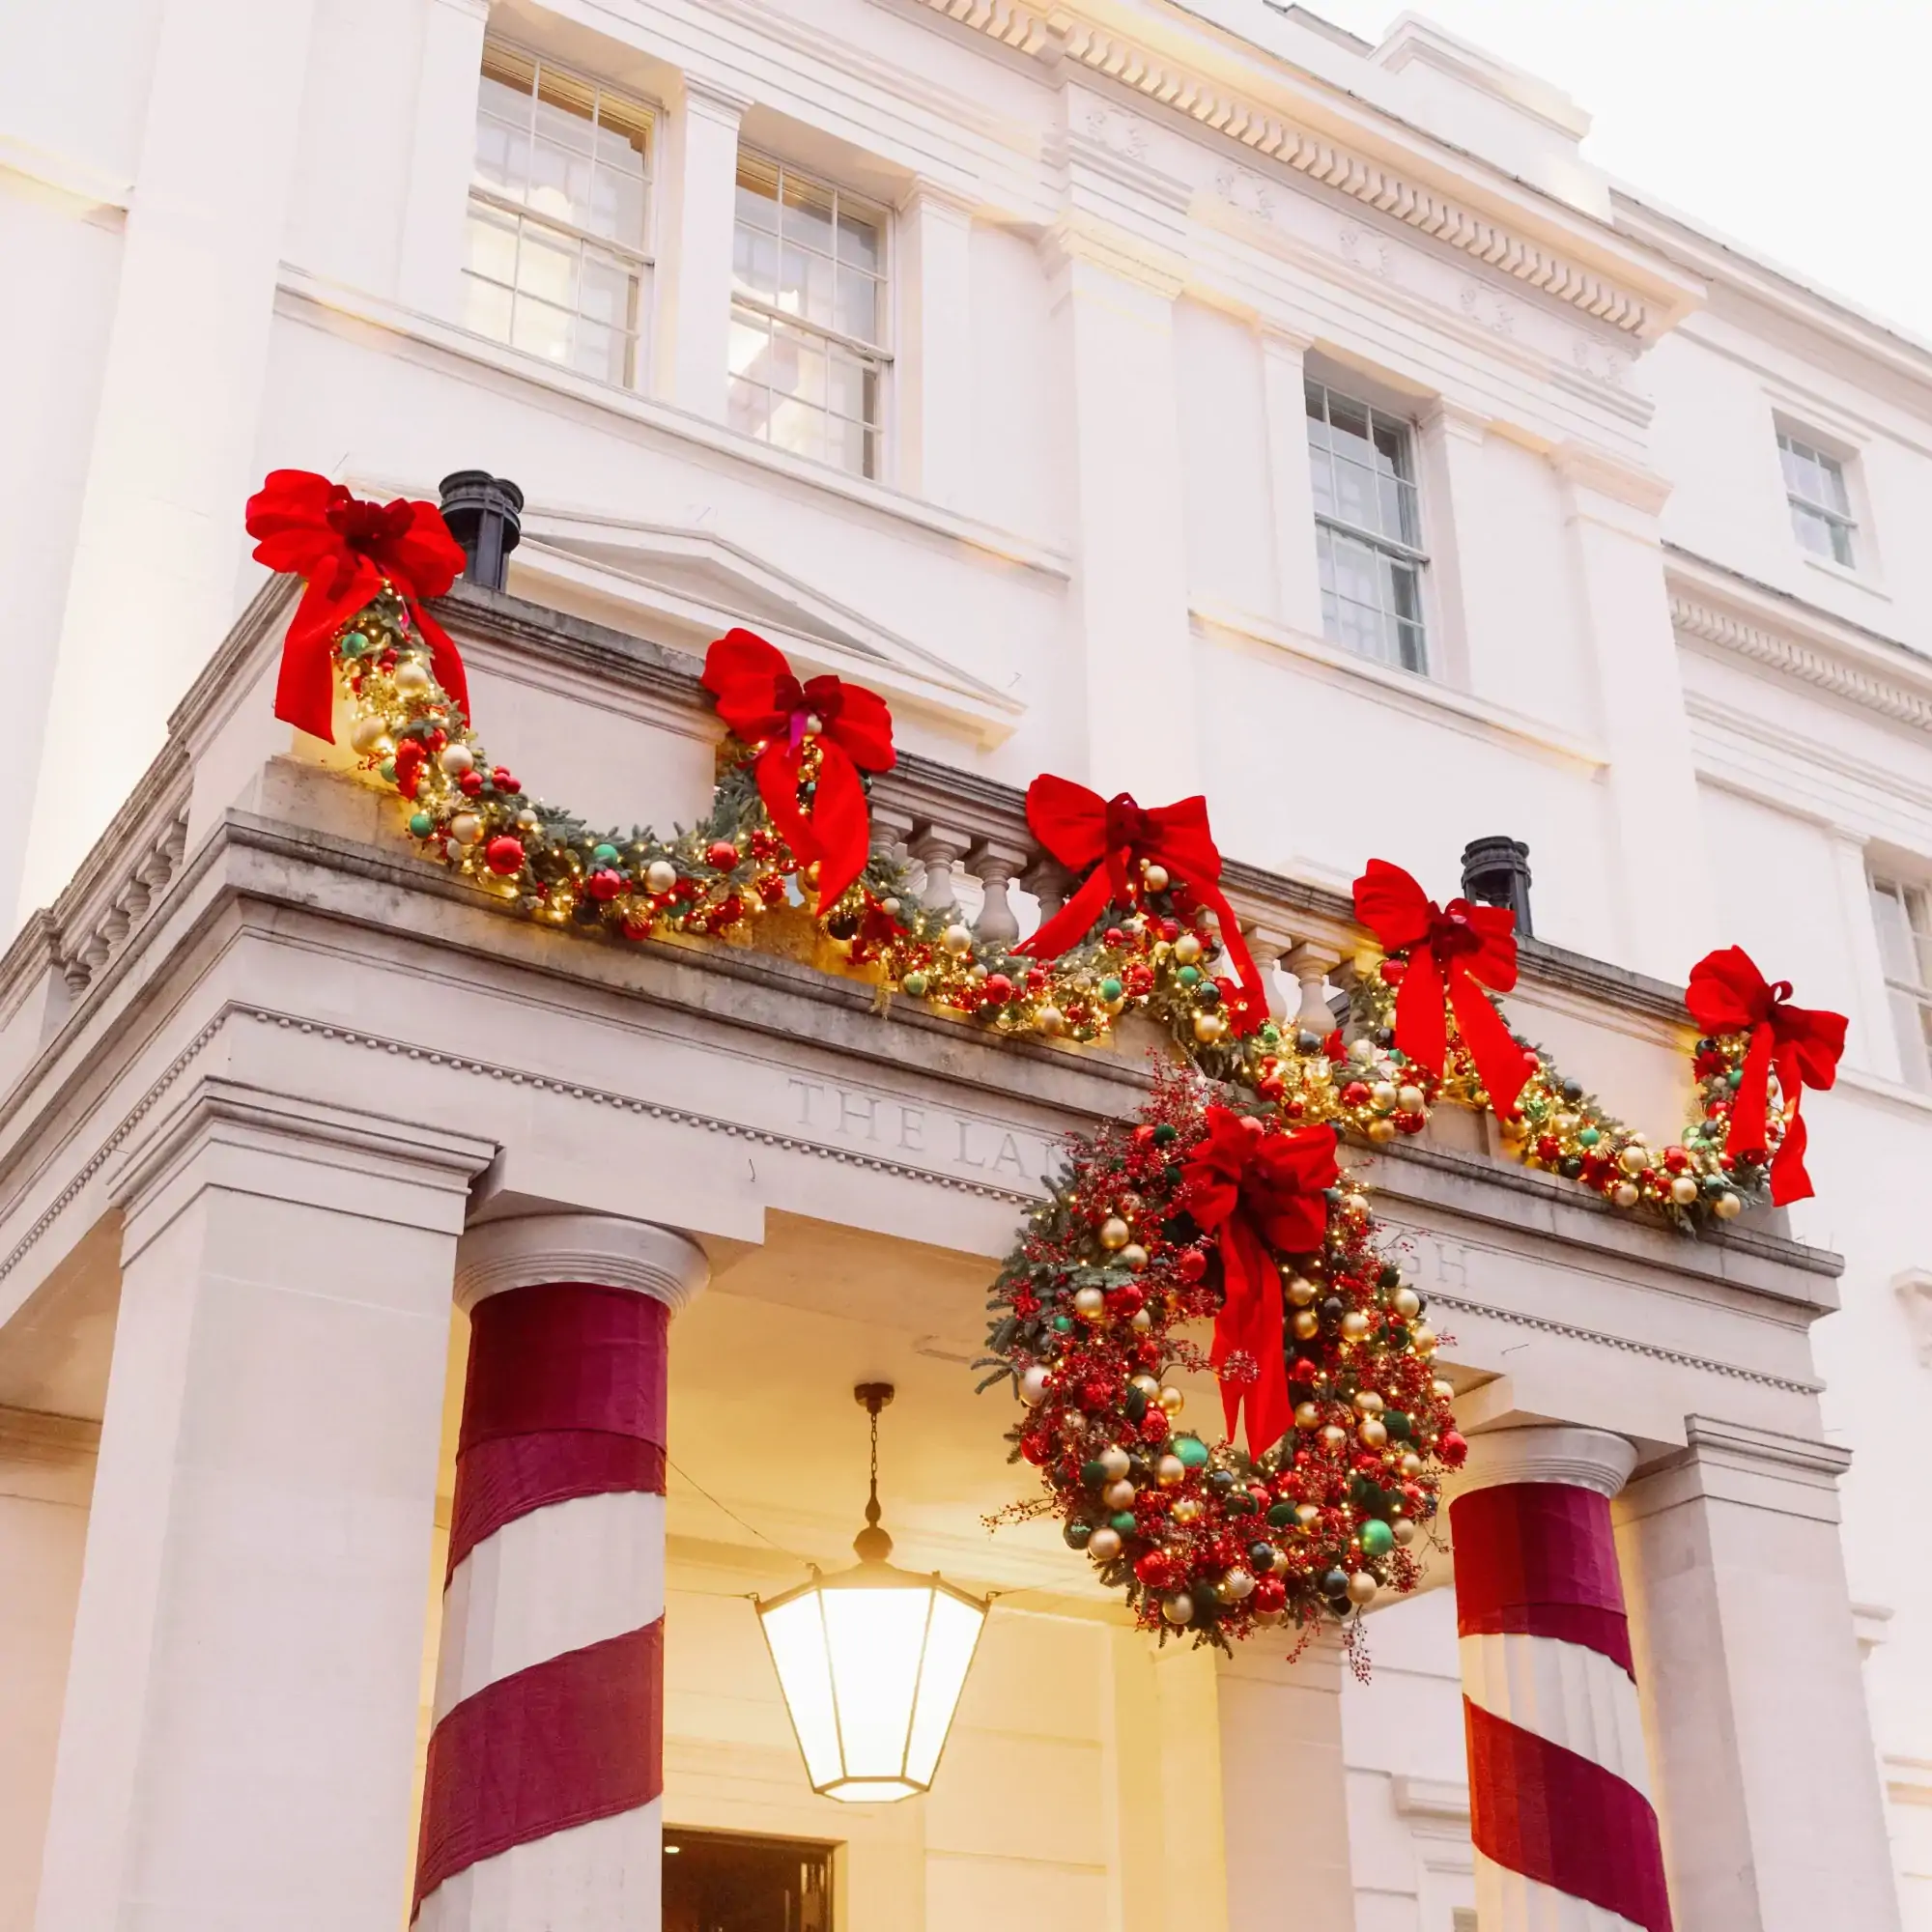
pixel 872 1545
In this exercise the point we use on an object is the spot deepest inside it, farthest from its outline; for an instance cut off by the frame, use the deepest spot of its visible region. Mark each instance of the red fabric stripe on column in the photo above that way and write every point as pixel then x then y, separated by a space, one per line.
pixel 564 1396
pixel 1538 1558
pixel 573 1738
pixel 1556 1816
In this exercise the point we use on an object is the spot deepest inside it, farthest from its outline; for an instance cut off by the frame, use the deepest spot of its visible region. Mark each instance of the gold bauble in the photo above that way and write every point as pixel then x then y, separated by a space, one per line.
pixel 1442 1391
pixel 1334 1436
pixel 1140 1322
pixel 1235 1584
pixel 957 940
pixel 1154 877
pixel 1362 1588
pixel 1412 1099
pixel 1145 1383
pixel 364 733
pixel 1209 1028
pixel 1090 1302
pixel 1369 1403
pixel 1172 1400
pixel 1422 1338
pixel 1381 1132
pixel 1186 949
pixel 466 827
pixel 1627 1195
pixel 660 876
pixel 1186 1509
pixel 1355 1203
pixel 1407 1303
pixel 456 759
pixel 1113 1461
pixel 1133 1256
pixel 1104 1544
pixel 1307 1515
pixel 1170 1472
pixel 1373 1432
pixel 1635 1158
pixel 1050 1021
pixel 1307 1415
pixel 1405 1531
pixel 1727 1207
pixel 1301 1292
pixel 1119 1496
pixel 1178 1609
pixel 1684 1189
pixel 1115 1233
pixel 1306 1324
pixel 411 676
pixel 1382 1093
pixel 1354 1325
pixel 1410 1463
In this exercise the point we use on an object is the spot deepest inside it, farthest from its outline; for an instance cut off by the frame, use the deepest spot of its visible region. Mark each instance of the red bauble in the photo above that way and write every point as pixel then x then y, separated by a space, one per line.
pixel 504 855
pixel 470 784
pixel 1453 1449
pixel 998 988
pixel 721 855
pixel 1393 971
pixel 1192 1263
pixel 1355 1093
pixel 500 778
pixel 1270 1595
pixel 604 885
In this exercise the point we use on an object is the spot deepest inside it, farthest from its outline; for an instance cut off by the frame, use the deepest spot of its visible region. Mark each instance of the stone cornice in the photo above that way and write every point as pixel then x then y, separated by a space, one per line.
pixel 1730 613
pixel 1275 112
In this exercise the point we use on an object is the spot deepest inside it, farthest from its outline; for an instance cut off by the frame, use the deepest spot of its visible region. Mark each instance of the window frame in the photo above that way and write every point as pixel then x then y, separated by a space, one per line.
pixel 642 262
pixel 1806 446
pixel 1914 1053
pixel 1400 549
pixel 880 355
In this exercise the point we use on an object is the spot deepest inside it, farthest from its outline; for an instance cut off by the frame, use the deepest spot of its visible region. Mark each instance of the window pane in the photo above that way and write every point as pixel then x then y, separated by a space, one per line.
pixel 1391 448
pixel 1912 1024
pixel 541 330
pixel 808 215
pixel 1349 428
pixel 507 74
pixel 1321 467
pixel 1355 495
pixel 1814 531
pixel 486 308
pixel 755 264
pixel 492 249
pixel 503 157
pixel 748 352
pixel 547 267
pixel 857 242
pixel 1831 485
pixel 805 284
pixel 1841 544
pixel 606 290
pixel 565 106
pixel 749 408
pixel 757 194
pixel 857 305
pixel 1895 950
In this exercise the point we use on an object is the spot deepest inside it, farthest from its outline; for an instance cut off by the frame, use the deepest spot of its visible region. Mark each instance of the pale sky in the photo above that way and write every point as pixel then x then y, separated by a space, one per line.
pixel 1801 128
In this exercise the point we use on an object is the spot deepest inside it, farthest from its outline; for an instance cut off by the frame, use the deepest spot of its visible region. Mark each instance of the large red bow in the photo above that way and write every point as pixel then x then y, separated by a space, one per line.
pixel 344 549
pixel 1261 1192
pixel 760 699
pixel 1460 949
pixel 1728 994
pixel 1108 839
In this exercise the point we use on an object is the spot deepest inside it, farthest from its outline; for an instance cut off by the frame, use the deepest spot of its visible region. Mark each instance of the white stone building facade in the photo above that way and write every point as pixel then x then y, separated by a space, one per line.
pixel 1180 398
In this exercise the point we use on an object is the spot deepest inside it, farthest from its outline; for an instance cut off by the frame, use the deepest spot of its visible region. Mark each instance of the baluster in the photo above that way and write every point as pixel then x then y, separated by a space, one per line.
pixel 938 848
pixel 1311 963
pixel 1266 943
pixel 995 866
pixel 1047 881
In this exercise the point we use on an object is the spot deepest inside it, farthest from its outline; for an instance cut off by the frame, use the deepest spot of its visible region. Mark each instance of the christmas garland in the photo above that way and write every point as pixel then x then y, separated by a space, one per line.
pixel 1223 1200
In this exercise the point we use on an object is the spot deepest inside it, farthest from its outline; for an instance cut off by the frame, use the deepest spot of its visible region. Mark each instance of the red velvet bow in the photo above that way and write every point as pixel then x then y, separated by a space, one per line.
pixel 1728 994
pixel 1460 949
pixel 1108 839
pixel 1258 1191
pixel 760 699
pixel 344 549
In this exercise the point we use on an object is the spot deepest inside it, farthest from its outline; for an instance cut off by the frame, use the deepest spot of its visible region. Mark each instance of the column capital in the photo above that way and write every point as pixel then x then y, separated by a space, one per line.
pixel 1584 1458
pixel 929 197
pixel 597 1250
pixel 717 98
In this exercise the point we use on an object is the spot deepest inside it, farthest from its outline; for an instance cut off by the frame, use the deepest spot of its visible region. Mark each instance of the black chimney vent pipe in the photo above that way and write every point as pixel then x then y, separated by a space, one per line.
pixel 485 515
pixel 1496 871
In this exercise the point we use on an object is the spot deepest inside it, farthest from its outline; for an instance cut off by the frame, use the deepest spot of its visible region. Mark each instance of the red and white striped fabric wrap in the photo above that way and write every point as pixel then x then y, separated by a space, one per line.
pixel 540 1799
pixel 1560 1809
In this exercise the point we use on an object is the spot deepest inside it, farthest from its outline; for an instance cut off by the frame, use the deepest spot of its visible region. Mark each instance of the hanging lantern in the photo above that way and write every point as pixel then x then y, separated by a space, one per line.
pixel 871 1662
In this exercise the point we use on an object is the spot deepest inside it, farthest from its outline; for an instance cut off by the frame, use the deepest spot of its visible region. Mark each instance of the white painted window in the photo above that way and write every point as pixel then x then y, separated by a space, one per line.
pixel 558 257
pixel 1821 507
pixel 1368 528
pixel 809 357
pixel 1904 917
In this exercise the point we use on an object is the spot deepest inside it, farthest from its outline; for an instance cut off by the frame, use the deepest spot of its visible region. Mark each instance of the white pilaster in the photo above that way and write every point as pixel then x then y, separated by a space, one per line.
pixel 47 1472
pixel 1464 604
pixel 1746 1659
pixel 1869 1038
pixel 1115 301
pixel 933 380
pixel 696 203
pixel 1659 897
pixel 1281 1731
pixel 430 272
pixel 173 453
pixel 1291 486
pixel 241 1716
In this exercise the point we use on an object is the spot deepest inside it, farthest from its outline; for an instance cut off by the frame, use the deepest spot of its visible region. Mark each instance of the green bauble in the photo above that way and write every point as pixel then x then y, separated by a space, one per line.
pixel 1123 1523
pixel 1189 976
pixel 1110 988
pixel 913 986
pixel 1093 1474
pixel 1191 1450
pixel 1377 1539
pixel 421 824
pixel 1397 1425
pixel 1076 1534
pixel 1281 1515
pixel 1166 1134
pixel 605 854
pixel 354 644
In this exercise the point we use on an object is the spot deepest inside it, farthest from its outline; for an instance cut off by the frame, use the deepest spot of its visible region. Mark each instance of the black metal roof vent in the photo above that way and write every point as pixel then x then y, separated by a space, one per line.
pixel 485 515
pixel 1496 871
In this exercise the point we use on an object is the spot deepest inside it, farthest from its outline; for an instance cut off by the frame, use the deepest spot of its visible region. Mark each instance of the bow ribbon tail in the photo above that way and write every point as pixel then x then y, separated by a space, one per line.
pixel 777 773
pixel 305 684
pixel 840 823
pixel 1074 920
pixel 1254 1008
pixel 1251 1320
pixel 1501 1065
pixel 1751 1126
pixel 1789 1181
pixel 1421 1029
pixel 445 658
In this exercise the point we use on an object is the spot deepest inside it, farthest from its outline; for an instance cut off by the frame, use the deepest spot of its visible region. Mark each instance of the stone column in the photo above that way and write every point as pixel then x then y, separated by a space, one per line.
pixel 240 1726
pixel 1281 1731
pixel 546 1763
pixel 47 1470
pixel 1564 1836
pixel 698 203
pixel 1742 1624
